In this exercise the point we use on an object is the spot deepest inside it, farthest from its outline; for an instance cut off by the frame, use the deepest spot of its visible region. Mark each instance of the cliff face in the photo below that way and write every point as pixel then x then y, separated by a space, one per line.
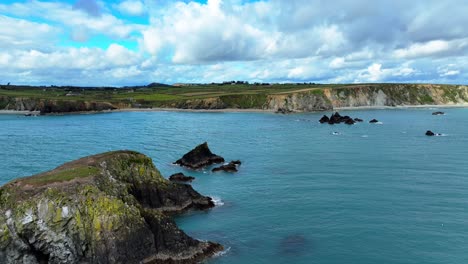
pixel 54 106
pixel 368 95
pixel 314 100
pixel 108 208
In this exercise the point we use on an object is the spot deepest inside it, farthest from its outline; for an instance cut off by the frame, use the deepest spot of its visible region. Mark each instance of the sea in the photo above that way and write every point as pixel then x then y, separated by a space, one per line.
pixel 305 193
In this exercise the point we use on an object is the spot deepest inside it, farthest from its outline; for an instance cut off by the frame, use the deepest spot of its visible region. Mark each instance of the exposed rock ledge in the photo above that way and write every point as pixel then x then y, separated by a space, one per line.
pixel 108 208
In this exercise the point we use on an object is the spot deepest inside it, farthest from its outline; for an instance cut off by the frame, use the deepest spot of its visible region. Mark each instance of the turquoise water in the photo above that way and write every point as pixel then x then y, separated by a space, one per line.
pixel 381 193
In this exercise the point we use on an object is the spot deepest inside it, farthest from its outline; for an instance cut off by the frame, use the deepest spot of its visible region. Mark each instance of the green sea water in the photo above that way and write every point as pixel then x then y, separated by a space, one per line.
pixel 369 193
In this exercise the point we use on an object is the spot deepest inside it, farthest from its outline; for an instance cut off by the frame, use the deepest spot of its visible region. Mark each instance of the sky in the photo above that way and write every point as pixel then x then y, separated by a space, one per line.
pixel 136 42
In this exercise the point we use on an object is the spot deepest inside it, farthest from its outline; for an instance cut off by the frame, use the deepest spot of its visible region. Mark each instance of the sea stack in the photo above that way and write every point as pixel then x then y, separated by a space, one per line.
pixel 199 157
pixel 109 208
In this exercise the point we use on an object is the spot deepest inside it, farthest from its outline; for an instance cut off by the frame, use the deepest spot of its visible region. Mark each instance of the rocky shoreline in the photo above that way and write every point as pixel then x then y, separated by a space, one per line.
pixel 113 207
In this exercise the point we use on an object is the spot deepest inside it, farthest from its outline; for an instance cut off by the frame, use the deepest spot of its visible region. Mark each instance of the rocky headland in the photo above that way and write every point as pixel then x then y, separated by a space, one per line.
pixel 108 208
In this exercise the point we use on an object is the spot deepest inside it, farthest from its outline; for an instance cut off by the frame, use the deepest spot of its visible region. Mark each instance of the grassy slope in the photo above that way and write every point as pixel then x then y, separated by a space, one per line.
pixel 241 96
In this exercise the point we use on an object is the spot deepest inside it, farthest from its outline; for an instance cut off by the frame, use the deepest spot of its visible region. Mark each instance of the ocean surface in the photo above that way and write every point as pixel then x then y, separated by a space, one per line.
pixel 370 193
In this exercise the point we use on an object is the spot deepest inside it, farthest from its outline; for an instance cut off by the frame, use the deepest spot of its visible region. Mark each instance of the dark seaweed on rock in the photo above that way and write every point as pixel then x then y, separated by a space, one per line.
pixel 109 208
pixel 199 157
pixel 180 177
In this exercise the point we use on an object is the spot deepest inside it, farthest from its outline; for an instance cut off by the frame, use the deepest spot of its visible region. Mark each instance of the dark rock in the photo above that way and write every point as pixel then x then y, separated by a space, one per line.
pixel 109 208
pixel 230 167
pixel 237 162
pixel 358 120
pixel 438 113
pixel 374 121
pixel 324 119
pixel 180 177
pixel 199 157
pixel 283 111
pixel 294 244
pixel 350 121
pixel 430 133
pixel 335 118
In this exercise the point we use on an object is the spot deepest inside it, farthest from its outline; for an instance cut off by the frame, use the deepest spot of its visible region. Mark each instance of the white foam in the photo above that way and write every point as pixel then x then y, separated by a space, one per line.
pixel 379 123
pixel 365 136
pixel 222 253
pixel 217 201
pixel 440 135
pixel 336 133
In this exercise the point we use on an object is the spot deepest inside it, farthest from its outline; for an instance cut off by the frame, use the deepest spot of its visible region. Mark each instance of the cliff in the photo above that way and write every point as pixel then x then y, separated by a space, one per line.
pixel 377 95
pixel 291 99
pixel 46 106
pixel 109 208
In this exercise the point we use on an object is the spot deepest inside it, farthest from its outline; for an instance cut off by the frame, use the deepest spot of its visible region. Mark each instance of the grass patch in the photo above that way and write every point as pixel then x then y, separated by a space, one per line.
pixel 62 176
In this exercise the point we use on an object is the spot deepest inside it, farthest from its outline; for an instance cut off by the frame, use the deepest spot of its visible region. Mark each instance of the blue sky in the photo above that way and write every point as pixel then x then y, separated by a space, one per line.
pixel 134 42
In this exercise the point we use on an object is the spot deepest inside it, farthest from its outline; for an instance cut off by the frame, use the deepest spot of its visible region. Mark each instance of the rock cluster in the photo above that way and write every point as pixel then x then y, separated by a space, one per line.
pixel 109 208
pixel 230 167
pixel 336 118
pixel 438 113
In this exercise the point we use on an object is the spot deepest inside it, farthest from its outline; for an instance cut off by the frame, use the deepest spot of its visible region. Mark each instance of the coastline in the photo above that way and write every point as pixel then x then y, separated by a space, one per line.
pixel 465 105
pixel 233 110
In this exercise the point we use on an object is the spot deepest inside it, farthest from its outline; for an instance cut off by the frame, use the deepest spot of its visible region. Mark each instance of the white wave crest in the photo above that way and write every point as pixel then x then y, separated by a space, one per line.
pixel 222 253
pixel 217 201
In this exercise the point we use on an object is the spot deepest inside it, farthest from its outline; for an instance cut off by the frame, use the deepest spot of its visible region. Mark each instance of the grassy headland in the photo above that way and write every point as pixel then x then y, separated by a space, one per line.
pixel 227 95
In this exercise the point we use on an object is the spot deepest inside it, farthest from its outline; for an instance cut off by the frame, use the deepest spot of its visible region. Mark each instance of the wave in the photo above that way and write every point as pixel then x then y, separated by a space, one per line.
pixel 222 253
pixel 364 136
pixel 217 201
pixel 336 133
pixel 379 123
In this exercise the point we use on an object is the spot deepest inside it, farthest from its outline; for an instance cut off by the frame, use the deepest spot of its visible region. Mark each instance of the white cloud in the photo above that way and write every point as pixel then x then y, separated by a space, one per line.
pixel 423 49
pixel 131 7
pixel 268 41
pixel 337 63
pixel 20 33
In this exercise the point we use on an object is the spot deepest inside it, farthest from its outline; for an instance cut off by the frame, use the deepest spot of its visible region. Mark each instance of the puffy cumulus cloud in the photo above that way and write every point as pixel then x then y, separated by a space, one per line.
pixel 82 65
pixel 20 33
pixel 218 40
pixel 131 7
pixel 80 22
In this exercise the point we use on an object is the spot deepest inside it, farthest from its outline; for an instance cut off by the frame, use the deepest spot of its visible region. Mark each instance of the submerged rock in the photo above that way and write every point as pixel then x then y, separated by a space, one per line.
pixel 180 177
pixel 294 245
pixel 374 121
pixel 438 113
pixel 358 120
pixel 109 208
pixel 230 167
pixel 199 157
pixel 284 111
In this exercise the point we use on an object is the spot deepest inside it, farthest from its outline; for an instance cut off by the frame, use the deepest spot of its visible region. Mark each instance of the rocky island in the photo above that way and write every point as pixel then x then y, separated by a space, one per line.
pixel 199 157
pixel 108 208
